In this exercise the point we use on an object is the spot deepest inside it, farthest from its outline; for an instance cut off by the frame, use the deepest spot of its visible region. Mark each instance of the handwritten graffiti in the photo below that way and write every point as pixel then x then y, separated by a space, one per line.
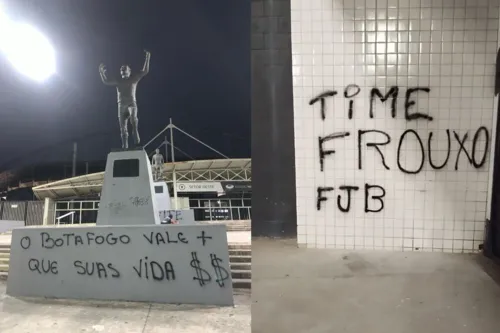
pixel 372 144
pixel 139 201
pixel 322 152
pixel 102 271
pixel 221 274
pixel 162 263
pixel 72 239
pixel 165 238
pixel 351 91
pixel 202 275
pixel 159 272
pixel 369 196
pixel 43 266
pixel 392 93
pixel 481 136
pixel 459 144
pixel 321 98
pixel 203 237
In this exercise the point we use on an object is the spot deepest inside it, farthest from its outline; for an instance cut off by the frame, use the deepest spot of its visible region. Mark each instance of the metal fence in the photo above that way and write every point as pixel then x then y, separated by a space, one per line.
pixel 31 212
pixel 204 210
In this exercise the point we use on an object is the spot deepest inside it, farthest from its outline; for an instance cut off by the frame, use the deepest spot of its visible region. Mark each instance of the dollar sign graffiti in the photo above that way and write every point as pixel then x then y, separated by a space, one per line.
pixel 202 276
pixel 220 272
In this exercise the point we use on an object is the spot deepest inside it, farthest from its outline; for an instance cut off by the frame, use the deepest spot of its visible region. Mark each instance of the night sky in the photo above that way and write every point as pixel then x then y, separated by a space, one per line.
pixel 199 77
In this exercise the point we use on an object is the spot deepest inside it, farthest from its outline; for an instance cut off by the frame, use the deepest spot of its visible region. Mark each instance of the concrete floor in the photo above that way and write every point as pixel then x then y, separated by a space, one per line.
pixel 64 316
pixel 324 291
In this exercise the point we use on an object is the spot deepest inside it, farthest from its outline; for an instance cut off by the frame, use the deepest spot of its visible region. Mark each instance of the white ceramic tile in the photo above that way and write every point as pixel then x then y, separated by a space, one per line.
pixel 447 47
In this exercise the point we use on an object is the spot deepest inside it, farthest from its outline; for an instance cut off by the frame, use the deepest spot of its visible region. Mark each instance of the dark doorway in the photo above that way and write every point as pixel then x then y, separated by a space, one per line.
pixel 492 243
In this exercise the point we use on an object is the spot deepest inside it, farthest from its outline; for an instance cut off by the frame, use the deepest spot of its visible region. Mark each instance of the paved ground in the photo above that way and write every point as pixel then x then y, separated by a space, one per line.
pixel 54 316
pixel 323 291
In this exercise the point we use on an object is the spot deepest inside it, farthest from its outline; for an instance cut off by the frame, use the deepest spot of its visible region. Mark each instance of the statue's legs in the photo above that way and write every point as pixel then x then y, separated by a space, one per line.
pixel 155 172
pixel 123 115
pixel 134 121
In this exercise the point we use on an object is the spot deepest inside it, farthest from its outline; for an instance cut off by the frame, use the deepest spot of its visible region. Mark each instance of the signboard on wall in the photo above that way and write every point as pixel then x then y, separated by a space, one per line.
pixel 218 187
pixel 166 264
pixel 236 186
pixel 199 187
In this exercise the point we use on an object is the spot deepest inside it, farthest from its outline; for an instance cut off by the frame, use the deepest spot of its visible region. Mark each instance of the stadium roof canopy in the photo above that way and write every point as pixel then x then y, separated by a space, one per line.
pixel 189 171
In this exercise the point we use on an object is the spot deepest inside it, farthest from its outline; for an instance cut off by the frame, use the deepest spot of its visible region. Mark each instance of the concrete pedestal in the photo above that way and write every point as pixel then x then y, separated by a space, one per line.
pixel 127 196
pixel 166 264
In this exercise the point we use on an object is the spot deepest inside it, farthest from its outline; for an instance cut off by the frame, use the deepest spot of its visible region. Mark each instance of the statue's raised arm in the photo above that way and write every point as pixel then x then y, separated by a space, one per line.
pixel 104 77
pixel 145 67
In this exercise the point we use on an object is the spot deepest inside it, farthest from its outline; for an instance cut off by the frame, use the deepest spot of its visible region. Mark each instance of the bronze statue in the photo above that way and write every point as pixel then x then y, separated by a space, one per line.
pixel 126 87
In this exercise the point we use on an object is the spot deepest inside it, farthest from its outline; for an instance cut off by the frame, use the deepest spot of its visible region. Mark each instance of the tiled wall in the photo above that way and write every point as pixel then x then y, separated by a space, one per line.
pixel 439 57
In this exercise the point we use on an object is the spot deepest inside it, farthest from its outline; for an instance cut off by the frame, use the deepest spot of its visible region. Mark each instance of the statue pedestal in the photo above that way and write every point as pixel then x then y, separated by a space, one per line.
pixel 127 196
pixel 126 257
pixel 149 263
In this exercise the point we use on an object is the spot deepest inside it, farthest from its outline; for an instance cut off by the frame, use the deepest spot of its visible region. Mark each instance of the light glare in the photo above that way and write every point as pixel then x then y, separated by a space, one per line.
pixel 27 49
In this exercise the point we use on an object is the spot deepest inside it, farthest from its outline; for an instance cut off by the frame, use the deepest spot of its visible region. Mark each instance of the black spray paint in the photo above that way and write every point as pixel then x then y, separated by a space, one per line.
pixel 379 198
pixel 147 269
pixel 339 198
pixel 322 151
pixel 409 103
pixel 393 92
pixel 221 274
pixel 369 195
pixel 157 238
pixel 43 266
pixel 99 269
pixel 435 167
pixel 203 237
pixel 321 197
pixel 372 144
pixel 351 91
pixel 321 97
pixel 422 161
pixel 474 146
pixel 202 276
pixel 69 239
pixel 461 143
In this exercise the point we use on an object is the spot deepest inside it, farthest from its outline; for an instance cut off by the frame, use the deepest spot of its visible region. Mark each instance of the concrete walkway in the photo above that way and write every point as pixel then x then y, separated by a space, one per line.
pixel 64 316
pixel 324 291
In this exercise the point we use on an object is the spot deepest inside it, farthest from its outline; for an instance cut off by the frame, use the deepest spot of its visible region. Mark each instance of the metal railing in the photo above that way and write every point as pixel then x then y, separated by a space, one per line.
pixel 70 214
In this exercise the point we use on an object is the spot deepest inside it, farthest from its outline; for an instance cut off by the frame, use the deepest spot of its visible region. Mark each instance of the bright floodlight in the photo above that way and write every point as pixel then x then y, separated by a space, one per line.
pixel 28 50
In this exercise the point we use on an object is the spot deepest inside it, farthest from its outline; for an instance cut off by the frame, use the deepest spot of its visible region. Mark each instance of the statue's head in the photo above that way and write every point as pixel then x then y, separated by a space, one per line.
pixel 157 151
pixel 125 71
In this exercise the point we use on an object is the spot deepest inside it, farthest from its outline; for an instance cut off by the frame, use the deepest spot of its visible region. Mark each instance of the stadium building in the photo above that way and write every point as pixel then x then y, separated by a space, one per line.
pixel 216 190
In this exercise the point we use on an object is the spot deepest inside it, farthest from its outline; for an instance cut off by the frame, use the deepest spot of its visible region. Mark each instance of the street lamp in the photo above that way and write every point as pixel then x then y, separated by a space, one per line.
pixel 27 49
